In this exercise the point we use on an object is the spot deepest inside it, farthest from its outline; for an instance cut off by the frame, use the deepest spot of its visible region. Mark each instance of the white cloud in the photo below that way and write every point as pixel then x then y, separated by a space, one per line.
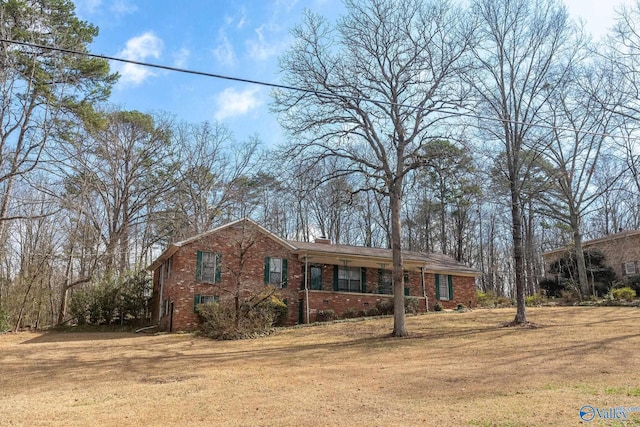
pixel 139 49
pixel 224 52
pixel 123 7
pixel 180 57
pixel 87 7
pixel 260 49
pixel 231 103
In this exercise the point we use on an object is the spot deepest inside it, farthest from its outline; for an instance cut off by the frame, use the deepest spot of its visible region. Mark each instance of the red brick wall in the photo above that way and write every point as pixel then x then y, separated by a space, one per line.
pixel 464 292
pixel 181 286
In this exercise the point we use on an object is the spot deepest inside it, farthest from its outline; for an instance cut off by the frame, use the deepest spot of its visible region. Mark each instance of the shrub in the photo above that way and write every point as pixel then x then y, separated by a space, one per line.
pixel 532 300
pixel 485 299
pixel 437 307
pixel 351 313
pixel 373 311
pixel 501 302
pixel 625 293
pixel 325 315
pixel 4 321
pixel 385 306
pixel 278 308
pixel 112 297
pixel 219 321
pixel 411 305
pixel 461 307
pixel 551 287
pixel 634 283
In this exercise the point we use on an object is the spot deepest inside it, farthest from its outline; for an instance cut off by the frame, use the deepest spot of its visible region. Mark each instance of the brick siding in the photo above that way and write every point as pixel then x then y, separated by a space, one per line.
pixel 180 287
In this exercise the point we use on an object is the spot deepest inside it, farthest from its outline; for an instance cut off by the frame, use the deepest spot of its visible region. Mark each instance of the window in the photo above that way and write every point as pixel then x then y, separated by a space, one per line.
pixel 385 282
pixel 208 267
pixel 203 299
pixel 629 268
pixel 316 277
pixel 349 279
pixel 444 287
pixel 275 271
pixel 166 307
pixel 168 267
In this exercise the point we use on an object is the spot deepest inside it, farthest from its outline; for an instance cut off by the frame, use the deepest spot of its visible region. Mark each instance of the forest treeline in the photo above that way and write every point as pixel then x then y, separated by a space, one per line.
pixel 521 138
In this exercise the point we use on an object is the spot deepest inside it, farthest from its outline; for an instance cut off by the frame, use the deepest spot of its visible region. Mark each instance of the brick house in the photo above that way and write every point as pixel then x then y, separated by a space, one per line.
pixel 242 258
pixel 621 251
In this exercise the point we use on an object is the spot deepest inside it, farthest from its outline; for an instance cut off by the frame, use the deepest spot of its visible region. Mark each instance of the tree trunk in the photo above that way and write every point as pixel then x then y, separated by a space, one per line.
pixel 395 196
pixel 580 262
pixel 518 256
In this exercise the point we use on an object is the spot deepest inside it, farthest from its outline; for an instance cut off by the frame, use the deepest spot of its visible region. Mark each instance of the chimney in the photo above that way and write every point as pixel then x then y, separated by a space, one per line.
pixel 323 240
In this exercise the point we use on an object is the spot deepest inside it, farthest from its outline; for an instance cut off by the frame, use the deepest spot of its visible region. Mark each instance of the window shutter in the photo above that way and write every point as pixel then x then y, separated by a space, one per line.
pixel 199 266
pixel 406 291
pixel 437 286
pixel 284 272
pixel 364 280
pixel 450 279
pixel 267 260
pixel 218 268
pixel 335 277
pixel 196 301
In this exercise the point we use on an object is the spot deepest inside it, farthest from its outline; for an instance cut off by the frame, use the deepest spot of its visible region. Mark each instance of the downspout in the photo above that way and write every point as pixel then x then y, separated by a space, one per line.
pixel 424 290
pixel 160 305
pixel 306 285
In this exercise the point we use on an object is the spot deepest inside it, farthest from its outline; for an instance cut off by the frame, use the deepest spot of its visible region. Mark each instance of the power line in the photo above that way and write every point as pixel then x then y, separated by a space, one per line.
pixel 309 91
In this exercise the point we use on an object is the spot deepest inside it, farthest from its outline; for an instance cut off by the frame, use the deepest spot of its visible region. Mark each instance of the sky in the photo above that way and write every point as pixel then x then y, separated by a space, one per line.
pixel 238 38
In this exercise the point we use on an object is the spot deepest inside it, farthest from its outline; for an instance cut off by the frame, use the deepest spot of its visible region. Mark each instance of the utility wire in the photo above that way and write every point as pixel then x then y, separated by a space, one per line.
pixel 298 89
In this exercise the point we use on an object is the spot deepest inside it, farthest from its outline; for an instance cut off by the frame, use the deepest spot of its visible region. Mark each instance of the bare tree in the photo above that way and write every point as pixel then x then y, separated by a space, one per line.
pixel 523 54
pixel 377 87
pixel 579 137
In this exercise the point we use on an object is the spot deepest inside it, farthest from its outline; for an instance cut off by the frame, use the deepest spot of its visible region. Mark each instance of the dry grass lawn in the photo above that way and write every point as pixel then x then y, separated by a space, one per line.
pixel 455 369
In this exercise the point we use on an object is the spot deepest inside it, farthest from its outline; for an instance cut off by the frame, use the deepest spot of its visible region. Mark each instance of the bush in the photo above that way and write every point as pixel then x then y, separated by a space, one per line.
pixel 110 298
pixel 437 307
pixel 625 293
pixel 219 321
pixel 502 302
pixel 533 300
pixel 634 283
pixel 325 315
pixel 551 287
pixel 461 307
pixel 279 309
pixel 373 311
pixel 351 313
pixel 411 305
pixel 385 306
pixel 485 299
pixel 4 321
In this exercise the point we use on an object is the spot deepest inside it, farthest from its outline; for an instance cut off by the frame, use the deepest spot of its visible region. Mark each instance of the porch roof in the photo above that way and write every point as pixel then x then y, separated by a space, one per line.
pixel 361 256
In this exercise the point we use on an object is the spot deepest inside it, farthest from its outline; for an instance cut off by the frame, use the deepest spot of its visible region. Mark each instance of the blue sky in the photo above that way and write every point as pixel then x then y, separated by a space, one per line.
pixel 236 38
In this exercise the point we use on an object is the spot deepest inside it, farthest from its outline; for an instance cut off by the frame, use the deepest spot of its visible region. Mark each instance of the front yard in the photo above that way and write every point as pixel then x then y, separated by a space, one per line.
pixel 455 369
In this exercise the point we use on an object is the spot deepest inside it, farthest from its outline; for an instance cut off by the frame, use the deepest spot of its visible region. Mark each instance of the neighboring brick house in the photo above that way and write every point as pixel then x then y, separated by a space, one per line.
pixel 242 258
pixel 621 251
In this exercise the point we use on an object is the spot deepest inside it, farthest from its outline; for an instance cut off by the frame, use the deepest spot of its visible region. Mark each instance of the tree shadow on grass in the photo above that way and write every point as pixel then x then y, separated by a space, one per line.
pixel 60 337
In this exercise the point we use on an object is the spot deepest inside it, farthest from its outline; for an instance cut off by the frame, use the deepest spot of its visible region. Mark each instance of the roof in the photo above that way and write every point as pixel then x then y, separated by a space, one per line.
pixel 173 248
pixel 328 253
pixel 595 242
pixel 380 258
